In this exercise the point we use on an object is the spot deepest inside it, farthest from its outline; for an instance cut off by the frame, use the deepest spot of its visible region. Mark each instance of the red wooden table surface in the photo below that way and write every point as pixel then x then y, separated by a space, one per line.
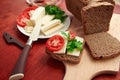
pixel 39 65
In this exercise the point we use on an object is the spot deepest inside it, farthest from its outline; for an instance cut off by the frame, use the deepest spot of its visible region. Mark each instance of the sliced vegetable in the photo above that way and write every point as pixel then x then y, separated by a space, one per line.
pixel 55 43
pixel 70 35
pixel 21 19
pixel 24 16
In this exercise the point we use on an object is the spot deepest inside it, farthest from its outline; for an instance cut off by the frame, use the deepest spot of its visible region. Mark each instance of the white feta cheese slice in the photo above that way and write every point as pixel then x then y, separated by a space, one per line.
pixel 54 29
pixel 38 14
pixel 28 29
pixel 46 19
pixel 50 25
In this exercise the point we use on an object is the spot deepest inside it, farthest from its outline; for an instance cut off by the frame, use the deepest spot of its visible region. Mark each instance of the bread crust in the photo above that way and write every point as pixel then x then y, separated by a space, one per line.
pixel 75 7
pixel 96 18
pixel 63 57
pixel 82 10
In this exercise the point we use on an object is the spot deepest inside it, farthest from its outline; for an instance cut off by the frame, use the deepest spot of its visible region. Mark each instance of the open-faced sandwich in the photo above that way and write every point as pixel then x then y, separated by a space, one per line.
pixel 65 46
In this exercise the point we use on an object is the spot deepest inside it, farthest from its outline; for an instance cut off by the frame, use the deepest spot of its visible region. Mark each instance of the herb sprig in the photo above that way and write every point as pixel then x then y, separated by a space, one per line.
pixel 54 10
pixel 72 44
pixel 67 36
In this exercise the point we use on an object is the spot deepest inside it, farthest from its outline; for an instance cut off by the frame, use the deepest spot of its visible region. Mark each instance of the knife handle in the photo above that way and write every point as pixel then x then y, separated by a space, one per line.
pixel 10 39
pixel 18 71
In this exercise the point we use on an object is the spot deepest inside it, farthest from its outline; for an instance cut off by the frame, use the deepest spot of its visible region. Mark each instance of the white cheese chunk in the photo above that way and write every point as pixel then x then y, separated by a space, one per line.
pixel 29 23
pixel 28 29
pixel 38 14
pixel 53 30
pixel 46 19
pixel 50 25
pixel 76 52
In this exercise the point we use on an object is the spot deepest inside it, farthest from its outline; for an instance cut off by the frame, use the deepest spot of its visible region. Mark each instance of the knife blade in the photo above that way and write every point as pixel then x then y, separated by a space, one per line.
pixel 18 71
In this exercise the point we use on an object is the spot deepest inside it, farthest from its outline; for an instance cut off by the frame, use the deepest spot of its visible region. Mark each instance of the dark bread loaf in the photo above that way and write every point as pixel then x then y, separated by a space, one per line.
pixel 102 45
pixel 95 15
pixel 75 7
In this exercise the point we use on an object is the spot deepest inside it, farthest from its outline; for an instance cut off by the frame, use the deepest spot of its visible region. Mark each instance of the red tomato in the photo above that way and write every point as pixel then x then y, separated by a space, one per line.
pixel 21 19
pixel 72 35
pixel 55 43
pixel 24 16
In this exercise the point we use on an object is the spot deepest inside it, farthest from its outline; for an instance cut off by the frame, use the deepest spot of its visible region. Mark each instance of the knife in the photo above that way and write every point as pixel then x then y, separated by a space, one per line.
pixel 10 39
pixel 18 71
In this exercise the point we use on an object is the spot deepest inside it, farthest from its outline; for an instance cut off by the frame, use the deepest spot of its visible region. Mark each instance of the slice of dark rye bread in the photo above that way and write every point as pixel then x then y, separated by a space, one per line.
pixel 95 15
pixel 75 6
pixel 102 45
pixel 65 58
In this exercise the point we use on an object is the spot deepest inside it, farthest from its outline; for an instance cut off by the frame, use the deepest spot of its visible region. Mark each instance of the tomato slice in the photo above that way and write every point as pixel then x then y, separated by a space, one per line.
pixel 72 35
pixel 55 43
pixel 24 16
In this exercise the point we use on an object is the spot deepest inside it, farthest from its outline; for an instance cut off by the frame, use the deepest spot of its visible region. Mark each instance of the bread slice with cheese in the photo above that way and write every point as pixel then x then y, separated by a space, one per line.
pixel 64 54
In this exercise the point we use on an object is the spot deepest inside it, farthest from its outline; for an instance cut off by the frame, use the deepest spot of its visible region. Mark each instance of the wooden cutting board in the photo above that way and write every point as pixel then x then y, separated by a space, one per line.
pixel 89 67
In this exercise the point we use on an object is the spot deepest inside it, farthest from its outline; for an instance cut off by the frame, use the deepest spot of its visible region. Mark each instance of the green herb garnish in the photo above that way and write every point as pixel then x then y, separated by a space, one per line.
pixel 54 10
pixel 74 44
pixel 67 35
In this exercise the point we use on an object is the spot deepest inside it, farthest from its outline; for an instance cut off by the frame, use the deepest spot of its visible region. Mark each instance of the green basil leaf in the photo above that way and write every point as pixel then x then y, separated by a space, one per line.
pixel 54 10
pixel 74 44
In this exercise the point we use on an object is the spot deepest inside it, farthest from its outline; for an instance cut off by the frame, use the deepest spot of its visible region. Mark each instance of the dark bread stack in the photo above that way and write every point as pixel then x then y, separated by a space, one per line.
pixel 75 7
pixel 103 45
pixel 94 14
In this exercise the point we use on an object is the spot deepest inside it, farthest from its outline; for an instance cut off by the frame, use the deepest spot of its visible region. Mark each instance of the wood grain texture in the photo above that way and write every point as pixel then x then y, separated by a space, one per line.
pixel 88 67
